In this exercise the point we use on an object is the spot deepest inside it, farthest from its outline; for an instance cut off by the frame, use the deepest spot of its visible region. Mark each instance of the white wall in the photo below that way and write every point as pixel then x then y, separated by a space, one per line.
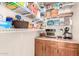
pixel 75 19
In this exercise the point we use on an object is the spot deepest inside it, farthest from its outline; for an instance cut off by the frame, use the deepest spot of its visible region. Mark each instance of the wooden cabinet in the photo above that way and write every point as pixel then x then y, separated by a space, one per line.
pixel 40 47
pixel 55 48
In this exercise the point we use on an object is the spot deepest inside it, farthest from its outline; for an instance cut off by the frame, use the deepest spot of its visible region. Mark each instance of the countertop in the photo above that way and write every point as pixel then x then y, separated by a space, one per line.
pixel 59 39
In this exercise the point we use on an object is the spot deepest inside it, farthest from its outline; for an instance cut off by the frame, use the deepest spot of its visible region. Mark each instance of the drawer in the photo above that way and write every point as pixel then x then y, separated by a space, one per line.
pixel 39 41
pixel 71 45
pixel 4 53
pixel 51 43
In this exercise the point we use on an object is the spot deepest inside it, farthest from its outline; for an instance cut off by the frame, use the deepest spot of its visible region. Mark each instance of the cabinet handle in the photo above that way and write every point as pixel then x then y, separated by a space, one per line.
pixel 42 48
pixel 57 51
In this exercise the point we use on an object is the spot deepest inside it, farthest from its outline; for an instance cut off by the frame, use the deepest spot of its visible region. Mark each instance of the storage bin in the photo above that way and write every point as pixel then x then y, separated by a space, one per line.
pixel 5 24
pixel 54 13
pixel 20 24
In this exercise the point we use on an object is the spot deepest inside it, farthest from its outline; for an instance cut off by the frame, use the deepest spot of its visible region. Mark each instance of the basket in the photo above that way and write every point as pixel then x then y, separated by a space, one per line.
pixel 20 24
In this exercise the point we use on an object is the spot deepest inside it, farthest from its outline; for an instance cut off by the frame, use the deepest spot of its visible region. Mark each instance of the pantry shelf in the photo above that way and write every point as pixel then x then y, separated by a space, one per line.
pixel 11 30
pixel 23 10
pixel 62 15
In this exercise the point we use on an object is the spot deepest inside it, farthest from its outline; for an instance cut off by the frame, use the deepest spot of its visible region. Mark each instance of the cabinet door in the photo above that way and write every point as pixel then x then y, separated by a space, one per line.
pixel 61 48
pixel 48 50
pixel 51 48
pixel 70 52
pixel 54 51
pixel 63 51
pixel 67 52
pixel 77 51
pixel 39 47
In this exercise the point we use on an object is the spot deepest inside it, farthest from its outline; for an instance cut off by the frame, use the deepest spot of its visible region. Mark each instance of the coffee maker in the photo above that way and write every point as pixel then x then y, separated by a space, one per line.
pixel 67 34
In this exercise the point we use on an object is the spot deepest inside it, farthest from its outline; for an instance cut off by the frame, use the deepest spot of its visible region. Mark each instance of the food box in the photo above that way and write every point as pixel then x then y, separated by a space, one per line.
pixel 54 13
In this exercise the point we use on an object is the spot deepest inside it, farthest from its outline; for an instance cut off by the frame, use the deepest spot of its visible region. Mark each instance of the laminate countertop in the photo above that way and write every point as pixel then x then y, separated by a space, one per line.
pixel 59 39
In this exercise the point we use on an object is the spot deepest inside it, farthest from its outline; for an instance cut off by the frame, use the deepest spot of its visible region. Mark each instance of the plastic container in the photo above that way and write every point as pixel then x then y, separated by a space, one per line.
pixel 5 24
pixel 9 19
